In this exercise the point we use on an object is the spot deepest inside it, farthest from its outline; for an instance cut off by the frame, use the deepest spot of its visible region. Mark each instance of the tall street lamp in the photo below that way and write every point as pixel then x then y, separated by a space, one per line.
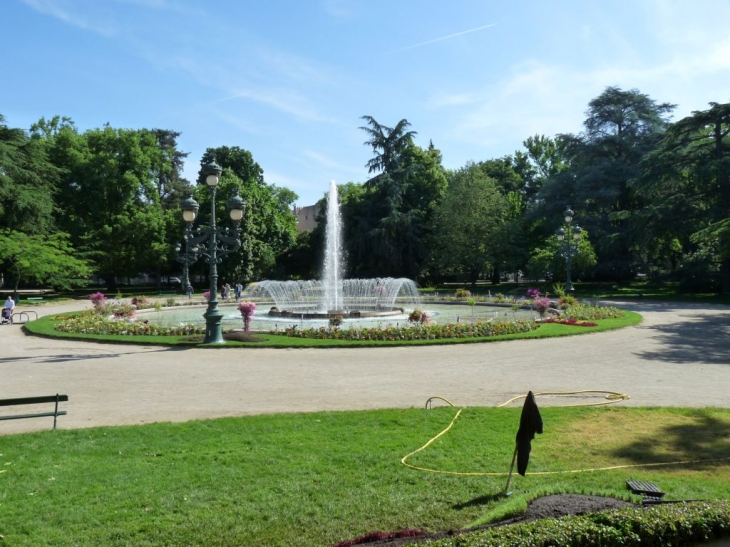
pixel 189 255
pixel 569 247
pixel 213 242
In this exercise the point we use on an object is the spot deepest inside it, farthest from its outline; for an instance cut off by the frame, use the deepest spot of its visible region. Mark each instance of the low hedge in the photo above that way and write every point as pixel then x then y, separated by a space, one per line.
pixel 680 525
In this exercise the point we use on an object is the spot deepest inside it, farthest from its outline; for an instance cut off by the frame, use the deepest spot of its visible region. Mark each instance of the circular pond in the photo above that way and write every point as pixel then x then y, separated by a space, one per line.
pixel 439 313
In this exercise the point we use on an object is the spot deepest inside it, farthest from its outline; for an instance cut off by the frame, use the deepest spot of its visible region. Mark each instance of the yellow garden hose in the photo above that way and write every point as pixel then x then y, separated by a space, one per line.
pixel 611 397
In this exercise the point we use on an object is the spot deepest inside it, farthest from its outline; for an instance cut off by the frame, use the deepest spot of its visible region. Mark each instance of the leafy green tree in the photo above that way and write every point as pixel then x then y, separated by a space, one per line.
pixel 388 144
pixel 166 169
pixel 549 260
pixel 467 223
pixel 268 228
pixel 299 261
pixel 109 198
pixel 686 184
pixel 621 127
pixel 395 226
pixel 27 182
pixel 45 259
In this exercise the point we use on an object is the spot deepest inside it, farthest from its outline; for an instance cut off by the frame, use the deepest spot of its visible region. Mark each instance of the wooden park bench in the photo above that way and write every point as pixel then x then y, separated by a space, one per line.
pixel 35 401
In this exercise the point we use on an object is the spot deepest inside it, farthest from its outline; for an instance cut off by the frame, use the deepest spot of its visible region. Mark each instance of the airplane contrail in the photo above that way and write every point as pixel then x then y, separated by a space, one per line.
pixel 442 38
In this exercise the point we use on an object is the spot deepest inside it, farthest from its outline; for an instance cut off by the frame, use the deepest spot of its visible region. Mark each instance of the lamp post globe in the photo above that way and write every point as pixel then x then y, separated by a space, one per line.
pixel 189 208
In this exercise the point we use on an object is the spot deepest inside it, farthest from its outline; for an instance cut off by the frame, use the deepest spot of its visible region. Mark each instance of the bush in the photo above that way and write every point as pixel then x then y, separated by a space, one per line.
pixel 462 294
pixel 98 299
pixel 567 300
pixel 419 317
pixel 678 524
pixel 542 304
pixel 584 312
pixel 123 311
pixel 140 302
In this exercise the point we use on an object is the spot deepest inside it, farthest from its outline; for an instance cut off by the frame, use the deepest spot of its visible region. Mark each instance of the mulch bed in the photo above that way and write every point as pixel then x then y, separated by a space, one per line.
pixel 235 335
pixel 242 336
pixel 541 508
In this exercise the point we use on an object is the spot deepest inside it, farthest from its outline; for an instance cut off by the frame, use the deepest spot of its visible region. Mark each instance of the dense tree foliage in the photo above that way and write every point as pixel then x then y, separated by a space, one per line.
pixel 27 182
pixel 686 184
pixel 42 259
pixel 391 224
pixel 467 223
pixel 653 195
pixel 268 228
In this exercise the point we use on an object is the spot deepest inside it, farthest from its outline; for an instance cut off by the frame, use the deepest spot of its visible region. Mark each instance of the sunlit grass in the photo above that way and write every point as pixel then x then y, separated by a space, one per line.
pixel 316 479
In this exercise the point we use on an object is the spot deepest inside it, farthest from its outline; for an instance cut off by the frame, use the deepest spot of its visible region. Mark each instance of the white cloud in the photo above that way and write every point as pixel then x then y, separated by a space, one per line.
pixel 442 38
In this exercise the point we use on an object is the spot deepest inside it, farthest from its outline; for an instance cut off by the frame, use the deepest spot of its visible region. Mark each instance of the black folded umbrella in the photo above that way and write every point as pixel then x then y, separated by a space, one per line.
pixel 530 423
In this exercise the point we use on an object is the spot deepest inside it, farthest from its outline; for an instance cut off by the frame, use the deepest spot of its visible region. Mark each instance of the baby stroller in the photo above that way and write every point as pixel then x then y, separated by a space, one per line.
pixel 7 318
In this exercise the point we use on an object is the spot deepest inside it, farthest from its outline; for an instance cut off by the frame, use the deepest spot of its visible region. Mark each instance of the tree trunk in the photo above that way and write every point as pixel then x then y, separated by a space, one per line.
pixel 111 282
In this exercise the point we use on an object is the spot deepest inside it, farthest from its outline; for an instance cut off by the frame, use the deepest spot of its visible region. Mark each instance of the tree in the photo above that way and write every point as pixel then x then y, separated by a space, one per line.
pixel 687 182
pixel 467 222
pixel 547 260
pixel 621 127
pixel 27 182
pixel 110 200
pixel 394 229
pixel 388 144
pixel 45 259
pixel 268 228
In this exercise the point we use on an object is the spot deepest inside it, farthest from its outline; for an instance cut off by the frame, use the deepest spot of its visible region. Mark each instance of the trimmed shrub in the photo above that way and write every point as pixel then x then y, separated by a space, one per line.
pixel 678 524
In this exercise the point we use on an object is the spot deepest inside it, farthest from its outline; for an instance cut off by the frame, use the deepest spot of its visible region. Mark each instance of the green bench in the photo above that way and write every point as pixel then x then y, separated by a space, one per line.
pixel 35 401
pixel 34 298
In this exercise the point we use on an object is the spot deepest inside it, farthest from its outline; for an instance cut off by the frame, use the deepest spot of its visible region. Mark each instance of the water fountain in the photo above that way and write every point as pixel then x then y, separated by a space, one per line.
pixel 332 295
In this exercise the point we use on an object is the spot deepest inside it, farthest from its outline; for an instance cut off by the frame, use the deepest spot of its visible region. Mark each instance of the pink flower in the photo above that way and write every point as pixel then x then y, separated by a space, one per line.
pixel 247 310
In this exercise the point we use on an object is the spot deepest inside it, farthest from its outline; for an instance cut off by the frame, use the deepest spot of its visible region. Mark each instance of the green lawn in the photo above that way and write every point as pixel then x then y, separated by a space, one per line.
pixel 316 479
pixel 45 326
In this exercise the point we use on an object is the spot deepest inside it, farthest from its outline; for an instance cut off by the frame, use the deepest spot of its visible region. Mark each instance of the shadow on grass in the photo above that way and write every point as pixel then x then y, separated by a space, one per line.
pixel 481 500
pixel 704 339
pixel 705 439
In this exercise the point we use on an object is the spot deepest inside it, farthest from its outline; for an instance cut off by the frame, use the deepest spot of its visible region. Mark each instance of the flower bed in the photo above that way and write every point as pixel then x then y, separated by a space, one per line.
pixel 421 332
pixel 584 312
pixel 91 322
pixel 570 321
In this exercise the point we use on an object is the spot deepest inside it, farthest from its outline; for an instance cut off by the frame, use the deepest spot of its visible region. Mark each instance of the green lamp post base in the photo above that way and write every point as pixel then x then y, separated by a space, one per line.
pixel 213 330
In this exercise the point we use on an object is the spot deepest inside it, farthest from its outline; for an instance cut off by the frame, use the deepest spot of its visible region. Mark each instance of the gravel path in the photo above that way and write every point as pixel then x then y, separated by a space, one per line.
pixel 679 356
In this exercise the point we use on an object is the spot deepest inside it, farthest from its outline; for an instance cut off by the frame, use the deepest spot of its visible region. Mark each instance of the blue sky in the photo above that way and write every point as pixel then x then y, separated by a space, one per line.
pixel 290 79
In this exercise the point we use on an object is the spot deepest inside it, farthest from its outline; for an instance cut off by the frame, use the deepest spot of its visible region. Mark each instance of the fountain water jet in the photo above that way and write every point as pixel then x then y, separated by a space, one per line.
pixel 330 296
pixel 333 263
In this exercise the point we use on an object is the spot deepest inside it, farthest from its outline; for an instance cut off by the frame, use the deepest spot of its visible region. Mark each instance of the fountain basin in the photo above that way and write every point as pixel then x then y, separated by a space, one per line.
pixel 354 314
pixel 440 313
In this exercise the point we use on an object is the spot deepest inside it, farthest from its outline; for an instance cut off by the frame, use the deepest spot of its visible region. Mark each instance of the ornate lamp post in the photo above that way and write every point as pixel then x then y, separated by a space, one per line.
pixel 188 256
pixel 213 242
pixel 569 247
